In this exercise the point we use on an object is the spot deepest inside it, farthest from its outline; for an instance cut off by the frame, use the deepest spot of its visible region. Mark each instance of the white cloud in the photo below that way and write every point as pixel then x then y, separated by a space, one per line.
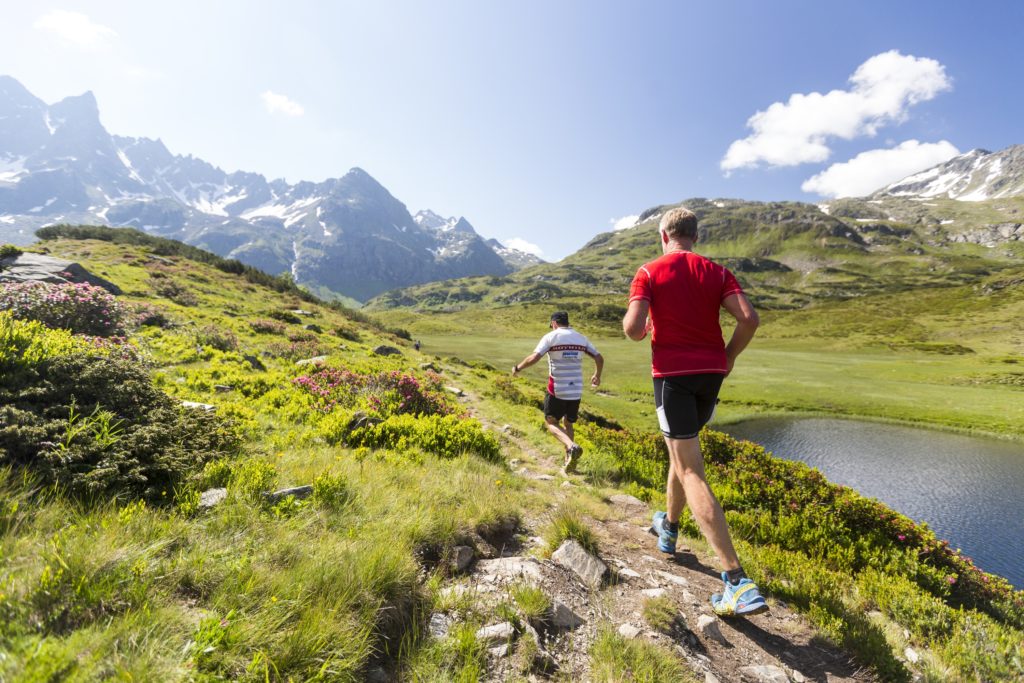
pixel 796 132
pixel 280 103
pixel 523 245
pixel 75 28
pixel 876 168
pixel 624 222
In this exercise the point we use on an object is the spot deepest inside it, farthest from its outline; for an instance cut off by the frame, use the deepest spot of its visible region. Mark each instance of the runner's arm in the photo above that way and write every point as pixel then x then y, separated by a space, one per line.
pixel 595 381
pixel 634 324
pixel 747 320
pixel 527 362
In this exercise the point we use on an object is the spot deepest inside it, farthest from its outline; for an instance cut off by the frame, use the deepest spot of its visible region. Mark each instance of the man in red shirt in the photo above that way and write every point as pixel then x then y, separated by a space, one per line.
pixel 677 298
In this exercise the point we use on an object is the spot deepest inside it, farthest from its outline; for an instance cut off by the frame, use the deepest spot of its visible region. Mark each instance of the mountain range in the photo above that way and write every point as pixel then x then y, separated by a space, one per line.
pixel 960 223
pixel 346 235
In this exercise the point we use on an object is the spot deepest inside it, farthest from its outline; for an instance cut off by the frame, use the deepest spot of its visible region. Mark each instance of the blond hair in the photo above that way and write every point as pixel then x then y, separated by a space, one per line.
pixel 679 223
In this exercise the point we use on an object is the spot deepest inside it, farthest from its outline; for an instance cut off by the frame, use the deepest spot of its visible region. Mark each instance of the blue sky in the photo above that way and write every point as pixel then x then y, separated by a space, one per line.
pixel 542 121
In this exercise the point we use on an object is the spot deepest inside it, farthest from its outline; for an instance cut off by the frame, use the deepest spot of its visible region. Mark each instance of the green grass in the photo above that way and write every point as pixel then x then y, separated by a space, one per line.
pixel 788 375
pixel 333 585
pixel 614 659
pixel 567 523
pixel 661 614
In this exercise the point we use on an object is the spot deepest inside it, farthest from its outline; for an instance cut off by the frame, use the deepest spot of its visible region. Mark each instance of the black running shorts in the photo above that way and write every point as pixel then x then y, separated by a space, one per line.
pixel 685 403
pixel 559 408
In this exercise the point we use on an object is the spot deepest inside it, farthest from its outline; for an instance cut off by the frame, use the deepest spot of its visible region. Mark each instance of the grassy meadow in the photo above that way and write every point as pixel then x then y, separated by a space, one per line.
pixel 144 583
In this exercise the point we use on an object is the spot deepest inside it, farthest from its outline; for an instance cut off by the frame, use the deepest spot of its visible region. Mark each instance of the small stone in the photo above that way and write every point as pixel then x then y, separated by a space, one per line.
pixel 315 360
pixel 506 428
pixel 513 462
pixel 510 567
pixel 385 350
pixel 199 406
pixel 542 477
pixel 567 484
pixel 765 673
pixel 629 573
pixel 628 631
pixel 299 311
pixel 211 497
pixel 499 652
pixel 298 492
pixel 440 624
pixel 254 362
pixel 710 677
pixel 653 592
pixel 626 500
pixel 690 598
pixel 707 626
pixel 223 388
pixel 455 390
pixel 574 557
pixel 313 327
pixel 563 618
pixel 911 655
pixel 496 633
pixel 798 677
pixel 672 578
pixel 429 366
pixel 462 557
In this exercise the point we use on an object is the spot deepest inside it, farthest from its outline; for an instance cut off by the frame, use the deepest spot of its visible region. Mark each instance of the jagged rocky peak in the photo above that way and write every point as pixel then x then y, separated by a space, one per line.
pixel 348 234
pixel 975 176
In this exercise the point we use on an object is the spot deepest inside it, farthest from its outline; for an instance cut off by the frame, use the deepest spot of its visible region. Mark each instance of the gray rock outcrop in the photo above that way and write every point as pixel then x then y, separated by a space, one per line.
pixel 41 268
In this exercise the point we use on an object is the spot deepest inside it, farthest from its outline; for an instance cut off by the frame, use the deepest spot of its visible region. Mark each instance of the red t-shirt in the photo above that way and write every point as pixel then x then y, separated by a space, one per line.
pixel 685 291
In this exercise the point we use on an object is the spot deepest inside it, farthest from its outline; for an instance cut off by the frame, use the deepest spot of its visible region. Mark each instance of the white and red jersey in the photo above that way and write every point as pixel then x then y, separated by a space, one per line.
pixel 685 292
pixel 565 348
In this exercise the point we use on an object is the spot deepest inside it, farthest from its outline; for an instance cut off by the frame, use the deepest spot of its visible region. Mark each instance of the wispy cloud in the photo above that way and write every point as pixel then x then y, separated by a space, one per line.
pixel 75 28
pixel 624 222
pixel 876 168
pixel 798 131
pixel 276 102
pixel 523 245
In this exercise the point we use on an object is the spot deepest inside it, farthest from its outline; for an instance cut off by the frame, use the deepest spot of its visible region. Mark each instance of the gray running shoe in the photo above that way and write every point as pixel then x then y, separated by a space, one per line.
pixel 572 456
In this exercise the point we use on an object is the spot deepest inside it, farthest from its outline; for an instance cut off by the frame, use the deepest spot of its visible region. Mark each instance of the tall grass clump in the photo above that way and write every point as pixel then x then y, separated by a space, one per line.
pixel 567 523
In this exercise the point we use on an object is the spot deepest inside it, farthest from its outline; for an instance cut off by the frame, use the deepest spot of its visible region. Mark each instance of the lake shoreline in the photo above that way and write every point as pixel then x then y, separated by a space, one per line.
pixel 1014 437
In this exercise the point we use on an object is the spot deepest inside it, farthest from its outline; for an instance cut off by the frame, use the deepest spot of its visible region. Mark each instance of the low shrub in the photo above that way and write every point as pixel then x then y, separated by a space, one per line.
pixel 382 393
pixel 216 338
pixel 9 251
pixel 330 490
pixel 91 422
pixel 179 294
pixel 81 308
pixel 446 436
pixel 297 350
pixel 267 327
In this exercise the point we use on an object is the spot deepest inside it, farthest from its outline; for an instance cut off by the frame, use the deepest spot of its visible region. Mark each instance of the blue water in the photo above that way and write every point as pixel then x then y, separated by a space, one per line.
pixel 969 490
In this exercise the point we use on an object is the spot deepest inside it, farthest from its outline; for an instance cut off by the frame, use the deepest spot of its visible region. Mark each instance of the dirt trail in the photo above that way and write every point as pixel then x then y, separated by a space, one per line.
pixel 779 645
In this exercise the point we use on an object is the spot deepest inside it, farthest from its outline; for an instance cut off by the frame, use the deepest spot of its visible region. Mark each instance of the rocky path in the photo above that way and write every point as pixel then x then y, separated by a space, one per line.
pixel 778 646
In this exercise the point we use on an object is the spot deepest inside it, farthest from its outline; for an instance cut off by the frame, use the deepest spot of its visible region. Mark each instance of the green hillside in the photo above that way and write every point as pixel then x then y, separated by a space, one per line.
pixel 115 564
pixel 881 289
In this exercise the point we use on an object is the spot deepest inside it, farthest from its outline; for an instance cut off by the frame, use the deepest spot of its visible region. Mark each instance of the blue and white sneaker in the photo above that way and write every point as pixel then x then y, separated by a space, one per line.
pixel 666 539
pixel 738 600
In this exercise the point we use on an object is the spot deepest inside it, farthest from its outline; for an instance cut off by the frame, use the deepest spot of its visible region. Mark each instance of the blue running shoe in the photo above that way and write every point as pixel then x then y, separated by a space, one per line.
pixel 738 600
pixel 666 538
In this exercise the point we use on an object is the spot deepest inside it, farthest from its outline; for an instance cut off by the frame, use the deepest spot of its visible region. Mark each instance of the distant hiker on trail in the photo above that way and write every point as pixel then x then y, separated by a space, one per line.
pixel 565 348
pixel 416 345
pixel 677 298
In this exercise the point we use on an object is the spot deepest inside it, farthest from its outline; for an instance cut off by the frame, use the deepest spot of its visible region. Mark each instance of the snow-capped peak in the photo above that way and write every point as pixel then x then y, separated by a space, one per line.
pixel 974 176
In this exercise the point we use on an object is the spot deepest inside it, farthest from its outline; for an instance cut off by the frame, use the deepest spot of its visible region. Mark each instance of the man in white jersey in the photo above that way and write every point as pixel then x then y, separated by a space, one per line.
pixel 564 347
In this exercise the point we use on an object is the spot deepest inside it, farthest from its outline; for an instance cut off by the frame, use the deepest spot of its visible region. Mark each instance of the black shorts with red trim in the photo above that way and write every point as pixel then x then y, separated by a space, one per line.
pixel 558 408
pixel 685 403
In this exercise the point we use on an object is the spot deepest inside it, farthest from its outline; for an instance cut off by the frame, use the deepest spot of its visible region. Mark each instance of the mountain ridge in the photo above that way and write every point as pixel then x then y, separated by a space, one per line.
pixel 345 235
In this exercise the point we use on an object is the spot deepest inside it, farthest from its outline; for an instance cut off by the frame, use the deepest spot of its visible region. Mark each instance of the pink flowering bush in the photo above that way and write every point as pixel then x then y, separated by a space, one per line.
pixel 383 393
pixel 79 307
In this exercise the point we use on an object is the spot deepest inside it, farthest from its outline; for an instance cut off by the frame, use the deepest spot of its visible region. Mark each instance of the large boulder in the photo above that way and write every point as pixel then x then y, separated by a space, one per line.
pixel 28 267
